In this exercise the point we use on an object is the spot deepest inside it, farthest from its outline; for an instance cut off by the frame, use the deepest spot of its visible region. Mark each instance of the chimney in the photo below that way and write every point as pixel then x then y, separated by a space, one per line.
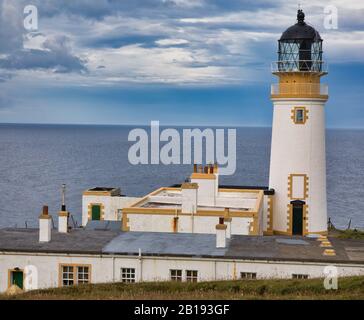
pixel 63 215
pixel 45 226
pixel 189 197
pixel 227 221
pixel 221 234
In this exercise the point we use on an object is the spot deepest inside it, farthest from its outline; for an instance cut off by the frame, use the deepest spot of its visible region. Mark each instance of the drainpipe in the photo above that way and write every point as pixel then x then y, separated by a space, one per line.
pixel 140 265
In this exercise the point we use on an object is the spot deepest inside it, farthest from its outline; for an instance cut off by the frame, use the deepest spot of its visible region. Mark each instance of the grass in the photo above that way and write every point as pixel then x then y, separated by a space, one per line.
pixel 350 234
pixel 349 288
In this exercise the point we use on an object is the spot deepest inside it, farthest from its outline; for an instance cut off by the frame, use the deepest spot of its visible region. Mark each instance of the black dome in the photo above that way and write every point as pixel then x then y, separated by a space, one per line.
pixel 301 31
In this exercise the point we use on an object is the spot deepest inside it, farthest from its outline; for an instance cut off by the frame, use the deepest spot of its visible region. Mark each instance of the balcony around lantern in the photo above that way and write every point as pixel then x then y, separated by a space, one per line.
pixel 300 90
pixel 289 66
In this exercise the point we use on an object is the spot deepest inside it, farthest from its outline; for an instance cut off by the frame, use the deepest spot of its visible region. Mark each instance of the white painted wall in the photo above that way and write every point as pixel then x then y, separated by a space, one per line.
pixel 107 268
pixel 186 223
pixel 299 149
pixel 111 206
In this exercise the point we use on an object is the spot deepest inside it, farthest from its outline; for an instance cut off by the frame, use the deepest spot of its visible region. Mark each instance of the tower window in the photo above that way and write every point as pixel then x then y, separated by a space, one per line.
pixel 299 115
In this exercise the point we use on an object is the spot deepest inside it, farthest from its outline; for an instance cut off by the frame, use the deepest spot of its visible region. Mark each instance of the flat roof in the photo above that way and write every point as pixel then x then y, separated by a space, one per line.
pixel 171 198
pixel 106 241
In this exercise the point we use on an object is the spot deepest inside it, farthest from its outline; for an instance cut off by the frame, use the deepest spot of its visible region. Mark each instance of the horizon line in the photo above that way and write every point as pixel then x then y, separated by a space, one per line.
pixel 162 125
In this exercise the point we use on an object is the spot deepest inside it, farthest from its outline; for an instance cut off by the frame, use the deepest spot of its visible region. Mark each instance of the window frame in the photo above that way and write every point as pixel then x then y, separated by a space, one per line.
pixel 176 278
pixel 300 276
pixel 75 271
pixel 248 275
pixel 193 277
pixel 127 275
pixel 295 111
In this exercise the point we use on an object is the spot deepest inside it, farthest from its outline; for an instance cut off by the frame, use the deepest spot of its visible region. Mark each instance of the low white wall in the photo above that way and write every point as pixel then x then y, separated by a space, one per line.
pixel 107 268
pixel 186 223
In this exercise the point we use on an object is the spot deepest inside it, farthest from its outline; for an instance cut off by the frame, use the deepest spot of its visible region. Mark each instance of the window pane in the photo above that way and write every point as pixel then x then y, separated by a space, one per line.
pixel 176 275
pixel 300 115
pixel 67 276
pixel 248 275
pixel 191 275
pixel 128 275
pixel 83 274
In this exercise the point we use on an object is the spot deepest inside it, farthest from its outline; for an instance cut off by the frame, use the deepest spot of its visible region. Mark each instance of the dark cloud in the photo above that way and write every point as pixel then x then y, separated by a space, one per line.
pixel 56 56
pixel 120 41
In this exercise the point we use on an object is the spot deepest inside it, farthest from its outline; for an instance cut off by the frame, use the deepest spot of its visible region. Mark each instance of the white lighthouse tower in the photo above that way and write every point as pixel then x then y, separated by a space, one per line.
pixel 298 164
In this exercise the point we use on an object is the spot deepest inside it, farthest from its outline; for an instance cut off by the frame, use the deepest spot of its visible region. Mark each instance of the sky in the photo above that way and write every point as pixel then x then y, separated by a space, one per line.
pixel 182 62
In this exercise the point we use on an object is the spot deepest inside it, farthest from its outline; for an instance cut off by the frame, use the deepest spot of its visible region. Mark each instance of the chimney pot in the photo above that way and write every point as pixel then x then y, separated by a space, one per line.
pixel 45 210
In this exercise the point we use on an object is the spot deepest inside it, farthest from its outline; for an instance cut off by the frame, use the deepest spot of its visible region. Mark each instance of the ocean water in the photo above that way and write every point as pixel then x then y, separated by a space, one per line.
pixel 36 159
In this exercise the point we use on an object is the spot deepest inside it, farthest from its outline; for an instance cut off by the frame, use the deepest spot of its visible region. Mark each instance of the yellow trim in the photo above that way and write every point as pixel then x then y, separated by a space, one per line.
pixel 125 220
pixel 9 276
pixel 221 227
pixel 102 208
pixel 281 233
pixel 329 252
pixel 60 271
pixel 305 115
pixel 208 213
pixel 290 183
pixel 270 215
pixel 209 176
pixel 189 185
pixel 300 96
pixel 96 193
pixel 45 216
pixel 240 190
pixel 63 214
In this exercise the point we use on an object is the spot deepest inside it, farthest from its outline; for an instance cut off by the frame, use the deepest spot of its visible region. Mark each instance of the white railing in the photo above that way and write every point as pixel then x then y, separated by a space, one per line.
pixel 300 88
pixel 299 66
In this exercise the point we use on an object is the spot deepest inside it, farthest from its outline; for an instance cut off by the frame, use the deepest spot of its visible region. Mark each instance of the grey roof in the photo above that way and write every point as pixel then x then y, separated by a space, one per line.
pixel 154 243
pixel 88 241
pixel 77 241
pixel 103 225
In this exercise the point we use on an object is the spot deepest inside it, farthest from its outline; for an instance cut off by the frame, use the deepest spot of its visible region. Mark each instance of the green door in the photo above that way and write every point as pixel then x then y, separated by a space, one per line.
pixel 297 217
pixel 17 278
pixel 96 212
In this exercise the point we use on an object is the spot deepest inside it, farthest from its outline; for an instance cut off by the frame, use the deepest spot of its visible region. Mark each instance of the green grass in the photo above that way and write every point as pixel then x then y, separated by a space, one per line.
pixel 349 288
pixel 350 234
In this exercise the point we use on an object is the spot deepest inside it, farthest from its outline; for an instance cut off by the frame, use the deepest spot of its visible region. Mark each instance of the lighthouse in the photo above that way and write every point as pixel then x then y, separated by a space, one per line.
pixel 298 163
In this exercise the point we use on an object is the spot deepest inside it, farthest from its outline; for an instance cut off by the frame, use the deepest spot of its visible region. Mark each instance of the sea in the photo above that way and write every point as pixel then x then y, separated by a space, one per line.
pixel 35 160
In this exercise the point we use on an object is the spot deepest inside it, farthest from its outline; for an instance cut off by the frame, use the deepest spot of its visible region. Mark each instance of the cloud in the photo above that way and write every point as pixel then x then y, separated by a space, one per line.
pixel 171 42
pixel 165 41
pixel 55 56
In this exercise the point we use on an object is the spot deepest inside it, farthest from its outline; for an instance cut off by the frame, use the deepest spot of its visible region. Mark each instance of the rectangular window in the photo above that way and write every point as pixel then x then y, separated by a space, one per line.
pixel 82 275
pixel 248 275
pixel 128 275
pixel 299 115
pixel 191 275
pixel 67 276
pixel 73 274
pixel 299 276
pixel 176 275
